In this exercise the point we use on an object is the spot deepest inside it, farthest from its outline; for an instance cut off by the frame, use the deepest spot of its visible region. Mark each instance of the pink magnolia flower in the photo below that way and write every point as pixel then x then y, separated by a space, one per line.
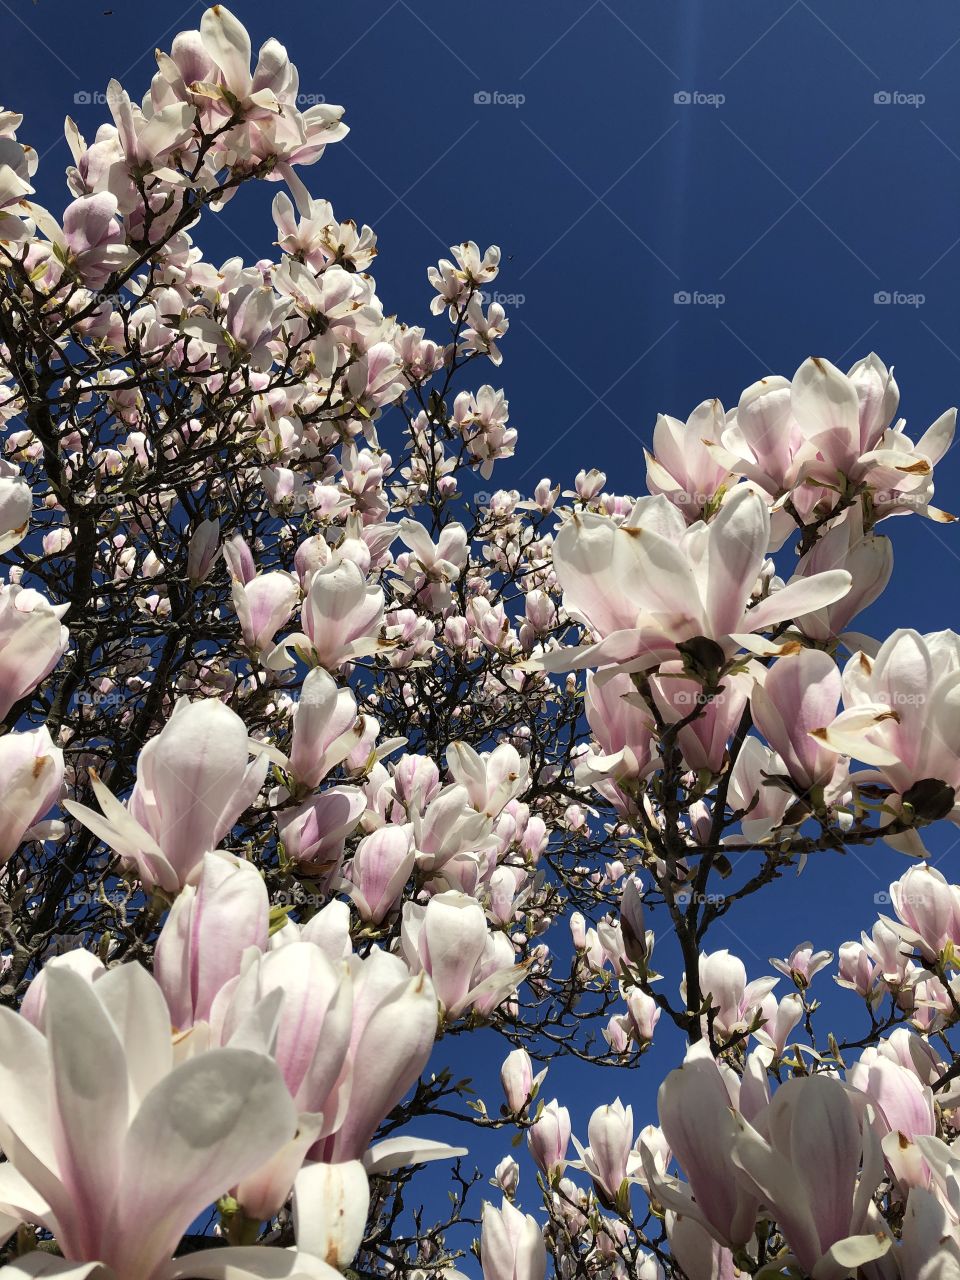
pixel 649 583
pixel 823 1207
pixel 548 1139
pixel 193 783
pixel 492 778
pixel 16 504
pixel 326 728
pixel 700 1127
pixel 312 1025
pixel 900 714
pixel 449 939
pixel 511 1245
pixel 202 550
pixel 394 1024
pixel 903 1110
pixel 802 964
pixel 682 467
pixel 263 605
pixel 431 566
pixel 317 830
pixel 85 1115
pixel 724 979
pixel 330 1207
pixel 341 617
pixel 32 641
pixel 704 740
pixel 379 870
pixel 520 1085
pixel 204 938
pixel 799 697
pixel 867 558
pixel 93 241
pixel 697 1252
pixel 607 1159
pixel 928 907
pixel 32 769
pixel 624 730
pixel 847 419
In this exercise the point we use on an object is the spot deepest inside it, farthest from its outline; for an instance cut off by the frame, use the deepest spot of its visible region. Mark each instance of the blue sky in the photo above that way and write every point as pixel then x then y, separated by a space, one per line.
pixel 815 166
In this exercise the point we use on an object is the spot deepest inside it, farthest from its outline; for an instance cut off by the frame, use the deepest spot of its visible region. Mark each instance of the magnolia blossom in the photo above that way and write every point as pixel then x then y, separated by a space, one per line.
pixel 900 715
pixel 650 583
pixel 193 782
pixel 511 1246
pixel 701 1126
pixel 608 1158
pixel 205 936
pixel 113 1148
pixel 32 768
pixel 449 939
pixel 341 617
pixel 682 466
pixel 824 1208
pixel 32 641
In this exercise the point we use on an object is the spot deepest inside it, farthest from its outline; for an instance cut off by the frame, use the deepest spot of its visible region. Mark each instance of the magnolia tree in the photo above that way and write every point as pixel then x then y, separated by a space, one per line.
pixel 311 762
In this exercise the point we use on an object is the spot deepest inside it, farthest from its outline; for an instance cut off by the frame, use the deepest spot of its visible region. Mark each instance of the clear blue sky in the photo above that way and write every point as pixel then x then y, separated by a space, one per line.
pixel 798 197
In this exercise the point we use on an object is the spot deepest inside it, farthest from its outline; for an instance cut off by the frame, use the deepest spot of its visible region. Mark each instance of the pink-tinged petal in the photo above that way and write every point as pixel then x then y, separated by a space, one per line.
pixel 136 1007
pixel 826 405
pixel 936 440
pixel 405 1149
pixel 799 596
pixel 452 941
pixel 799 695
pixel 394 1048
pixel 330 1206
pixel 206 933
pixel 700 1128
pixel 254 1261
pixel 91 1101
pixel 263 1194
pixel 511 1245
pixel 26 1131
pixel 228 44
pixel 736 548
pixel 846 1256
pixel 847 734
pixel 206 1126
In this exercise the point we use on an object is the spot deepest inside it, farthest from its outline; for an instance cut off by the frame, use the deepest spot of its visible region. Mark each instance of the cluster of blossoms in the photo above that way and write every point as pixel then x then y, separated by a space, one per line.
pixel 315 762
